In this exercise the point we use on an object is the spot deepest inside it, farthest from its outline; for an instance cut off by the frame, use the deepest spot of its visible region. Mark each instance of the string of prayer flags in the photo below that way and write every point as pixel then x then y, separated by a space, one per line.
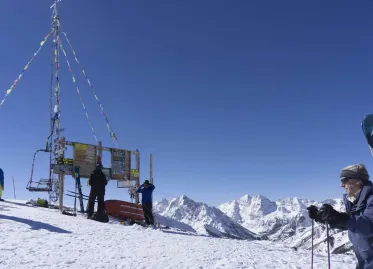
pixel 15 82
pixel 112 135
pixel 77 89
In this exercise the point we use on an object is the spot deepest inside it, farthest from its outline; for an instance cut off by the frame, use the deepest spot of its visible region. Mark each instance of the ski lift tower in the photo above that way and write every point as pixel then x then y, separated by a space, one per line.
pixel 86 156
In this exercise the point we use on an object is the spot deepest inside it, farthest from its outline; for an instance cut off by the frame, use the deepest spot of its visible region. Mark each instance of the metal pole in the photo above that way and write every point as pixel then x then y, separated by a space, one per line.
pixel 61 181
pixel 61 175
pixel 137 200
pixel 14 189
pixel 99 153
pixel 56 25
pixel 76 191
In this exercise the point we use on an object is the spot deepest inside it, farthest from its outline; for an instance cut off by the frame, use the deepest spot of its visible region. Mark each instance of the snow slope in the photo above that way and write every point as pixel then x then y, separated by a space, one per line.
pixel 44 238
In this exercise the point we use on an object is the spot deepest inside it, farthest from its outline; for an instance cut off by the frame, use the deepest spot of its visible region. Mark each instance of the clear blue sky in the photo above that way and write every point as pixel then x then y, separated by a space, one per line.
pixel 231 97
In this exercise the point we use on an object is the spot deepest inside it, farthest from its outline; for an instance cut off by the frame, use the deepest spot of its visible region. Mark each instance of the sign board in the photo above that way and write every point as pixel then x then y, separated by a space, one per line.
pixel 65 161
pixel 107 172
pixel 67 169
pixel 85 157
pixel 119 163
pixel 59 147
pixel 124 184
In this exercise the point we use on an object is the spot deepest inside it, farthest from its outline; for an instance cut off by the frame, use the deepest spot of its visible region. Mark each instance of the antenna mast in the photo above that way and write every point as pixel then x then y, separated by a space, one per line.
pixel 56 145
pixel 56 42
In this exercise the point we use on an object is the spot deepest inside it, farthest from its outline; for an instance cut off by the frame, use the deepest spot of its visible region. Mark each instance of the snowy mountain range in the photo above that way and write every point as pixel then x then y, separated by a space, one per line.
pixel 256 217
pixel 201 218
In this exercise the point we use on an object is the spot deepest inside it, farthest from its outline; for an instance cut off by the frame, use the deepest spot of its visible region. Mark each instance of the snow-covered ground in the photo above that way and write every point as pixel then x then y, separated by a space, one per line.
pixel 44 238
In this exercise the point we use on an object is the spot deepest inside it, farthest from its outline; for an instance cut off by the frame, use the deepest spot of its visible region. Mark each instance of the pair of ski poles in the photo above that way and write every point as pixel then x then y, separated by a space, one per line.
pixel 327 242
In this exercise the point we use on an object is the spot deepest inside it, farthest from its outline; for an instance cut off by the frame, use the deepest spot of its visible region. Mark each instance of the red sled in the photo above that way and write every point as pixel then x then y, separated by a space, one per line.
pixel 124 210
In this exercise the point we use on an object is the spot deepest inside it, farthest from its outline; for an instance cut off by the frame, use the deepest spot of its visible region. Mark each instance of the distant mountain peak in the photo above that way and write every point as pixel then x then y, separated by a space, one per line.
pixel 245 198
pixel 259 196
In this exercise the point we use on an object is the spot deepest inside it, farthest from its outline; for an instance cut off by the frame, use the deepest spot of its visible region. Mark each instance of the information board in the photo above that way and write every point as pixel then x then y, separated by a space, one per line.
pixel 63 165
pixel 107 172
pixel 67 169
pixel 119 160
pixel 85 157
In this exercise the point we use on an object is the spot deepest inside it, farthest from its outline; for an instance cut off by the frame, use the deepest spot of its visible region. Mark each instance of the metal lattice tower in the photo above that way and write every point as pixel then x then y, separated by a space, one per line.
pixel 55 111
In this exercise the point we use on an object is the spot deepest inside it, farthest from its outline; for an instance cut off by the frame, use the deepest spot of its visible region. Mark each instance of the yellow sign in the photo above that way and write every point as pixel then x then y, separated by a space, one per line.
pixel 80 147
pixel 65 161
pixel 85 158
pixel 134 173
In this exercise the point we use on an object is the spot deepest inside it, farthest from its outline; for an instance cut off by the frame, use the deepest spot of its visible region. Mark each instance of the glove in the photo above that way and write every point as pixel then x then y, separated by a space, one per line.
pixel 327 214
pixel 312 212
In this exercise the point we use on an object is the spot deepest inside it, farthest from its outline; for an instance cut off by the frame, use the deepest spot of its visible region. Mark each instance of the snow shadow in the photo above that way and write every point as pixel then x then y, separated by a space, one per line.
pixel 175 232
pixel 36 225
pixel 5 207
pixel 17 203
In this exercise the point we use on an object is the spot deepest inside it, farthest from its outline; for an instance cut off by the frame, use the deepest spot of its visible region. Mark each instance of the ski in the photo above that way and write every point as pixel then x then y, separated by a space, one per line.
pixel 77 193
pixel 85 197
pixel 79 187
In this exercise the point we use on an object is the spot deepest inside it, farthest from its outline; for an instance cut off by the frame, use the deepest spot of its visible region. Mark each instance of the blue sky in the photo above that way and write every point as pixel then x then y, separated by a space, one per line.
pixel 231 97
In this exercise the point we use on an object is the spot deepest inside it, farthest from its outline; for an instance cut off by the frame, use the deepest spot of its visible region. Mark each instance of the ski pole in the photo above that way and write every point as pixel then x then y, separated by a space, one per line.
pixel 312 246
pixel 76 186
pixel 327 240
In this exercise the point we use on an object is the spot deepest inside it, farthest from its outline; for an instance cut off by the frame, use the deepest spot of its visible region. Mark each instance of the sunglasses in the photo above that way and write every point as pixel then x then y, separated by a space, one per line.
pixel 344 180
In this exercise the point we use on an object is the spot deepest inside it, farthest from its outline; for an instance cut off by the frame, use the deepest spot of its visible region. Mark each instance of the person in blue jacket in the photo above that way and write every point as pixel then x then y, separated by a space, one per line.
pixel 146 190
pixel 358 218
pixel 1 183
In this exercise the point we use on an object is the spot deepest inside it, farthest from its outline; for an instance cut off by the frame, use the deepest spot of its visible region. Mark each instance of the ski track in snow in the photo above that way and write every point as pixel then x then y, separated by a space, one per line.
pixel 44 238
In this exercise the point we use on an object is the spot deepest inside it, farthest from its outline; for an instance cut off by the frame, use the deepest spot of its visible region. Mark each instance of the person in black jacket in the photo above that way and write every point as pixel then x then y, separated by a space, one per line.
pixel 98 182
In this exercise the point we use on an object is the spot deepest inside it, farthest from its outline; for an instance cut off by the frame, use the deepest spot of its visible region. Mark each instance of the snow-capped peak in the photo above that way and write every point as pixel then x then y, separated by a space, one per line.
pixel 245 199
pixel 247 208
pixel 161 205
pixel 261 206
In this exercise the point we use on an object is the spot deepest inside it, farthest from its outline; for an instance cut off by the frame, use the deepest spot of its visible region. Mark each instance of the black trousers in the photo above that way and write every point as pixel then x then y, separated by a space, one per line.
pixel 148 214
pixel 91 202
